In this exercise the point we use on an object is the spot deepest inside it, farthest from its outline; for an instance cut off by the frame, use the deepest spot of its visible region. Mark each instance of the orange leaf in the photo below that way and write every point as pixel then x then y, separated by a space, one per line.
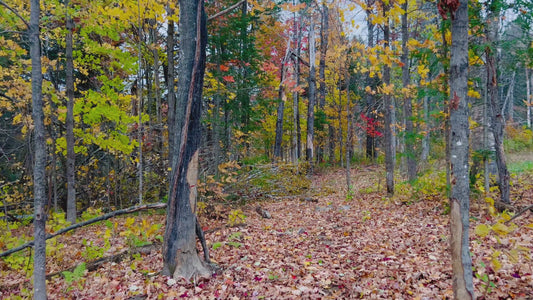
pixel 228 78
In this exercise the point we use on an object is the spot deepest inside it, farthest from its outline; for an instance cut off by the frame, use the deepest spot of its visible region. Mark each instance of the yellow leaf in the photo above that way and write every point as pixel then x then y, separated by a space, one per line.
pixel 482 230
pixel 496 264
pixel 500 229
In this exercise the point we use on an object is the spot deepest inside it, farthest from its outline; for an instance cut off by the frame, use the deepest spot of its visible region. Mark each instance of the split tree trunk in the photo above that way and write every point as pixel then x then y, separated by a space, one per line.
pixel 39 146
pixel 459 150
pixel 180 258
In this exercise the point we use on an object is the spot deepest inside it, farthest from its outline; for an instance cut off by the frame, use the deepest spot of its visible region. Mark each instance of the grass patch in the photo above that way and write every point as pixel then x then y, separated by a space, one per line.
pixel 521 167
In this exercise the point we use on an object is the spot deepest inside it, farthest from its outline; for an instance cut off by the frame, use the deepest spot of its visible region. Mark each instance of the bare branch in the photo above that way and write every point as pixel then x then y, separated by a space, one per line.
pixel 15 12
pixel 88 222
pixel 227 10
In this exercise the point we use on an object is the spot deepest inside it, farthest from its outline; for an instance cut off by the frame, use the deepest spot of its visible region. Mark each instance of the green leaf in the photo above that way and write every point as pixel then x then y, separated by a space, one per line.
pixel 216 245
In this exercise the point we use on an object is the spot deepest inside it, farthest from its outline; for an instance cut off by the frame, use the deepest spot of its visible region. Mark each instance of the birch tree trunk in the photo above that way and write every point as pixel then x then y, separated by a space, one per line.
pixel 39 146
pixel 180 258
pixel 459 151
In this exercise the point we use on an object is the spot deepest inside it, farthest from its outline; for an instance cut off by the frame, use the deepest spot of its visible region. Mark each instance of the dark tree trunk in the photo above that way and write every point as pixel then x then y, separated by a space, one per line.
pixel 39 146
pixel 371 82
pixel 171 97
pixel 180 257
pixel 309 149
pixel 281 109
pixel 389 107
pixel 71 155
pixel 496 111
pixel 407 106
pixel 297 137
pixel 459 150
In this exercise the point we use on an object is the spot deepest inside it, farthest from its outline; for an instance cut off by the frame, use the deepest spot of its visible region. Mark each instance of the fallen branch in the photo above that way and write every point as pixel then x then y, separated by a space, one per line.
pixel 88 222
pixel 520 213
pixel 225 11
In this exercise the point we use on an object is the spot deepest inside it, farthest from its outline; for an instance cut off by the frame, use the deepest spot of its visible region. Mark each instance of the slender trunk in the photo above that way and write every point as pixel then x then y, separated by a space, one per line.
pixel 180 258
pixel 387 100
pixel 497 122
pixel 529 96
pixel 459 149
pixel 39 168
pixel 71 155
pixel 309 150
pixel 171 98
pixel 509 99
pixel 155 52
pixel 410 139
pixel 139 107
pixel 370 101
pixel 447 119
pixel 425 140
pixel 348 131
pixel 297 149
pixel 281 108
pixel 324 37
pixel 339 119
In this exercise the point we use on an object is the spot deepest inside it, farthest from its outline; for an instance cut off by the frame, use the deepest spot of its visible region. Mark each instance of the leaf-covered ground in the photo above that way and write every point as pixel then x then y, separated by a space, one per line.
pixel 365 247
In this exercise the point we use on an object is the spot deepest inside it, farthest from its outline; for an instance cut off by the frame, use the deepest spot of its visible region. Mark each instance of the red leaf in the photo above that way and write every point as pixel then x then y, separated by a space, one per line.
pixel 228 78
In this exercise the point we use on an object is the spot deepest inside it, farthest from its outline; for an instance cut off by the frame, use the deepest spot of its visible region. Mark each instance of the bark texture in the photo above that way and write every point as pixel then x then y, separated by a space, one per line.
pixel 309 149
pixel 39 146
pixel 71 155
pixel 389 107
pixel 459 151
pixel 496 111
pixel 180 258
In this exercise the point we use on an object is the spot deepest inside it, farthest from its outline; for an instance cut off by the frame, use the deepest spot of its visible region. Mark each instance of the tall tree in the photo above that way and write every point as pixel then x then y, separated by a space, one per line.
pixel 71 155
pixel 389 106
pixel 180 258
pixel 459 149
pixel 309 149
pixel 324 37
pixel 496 111
pixel 407 106
pixel 39 146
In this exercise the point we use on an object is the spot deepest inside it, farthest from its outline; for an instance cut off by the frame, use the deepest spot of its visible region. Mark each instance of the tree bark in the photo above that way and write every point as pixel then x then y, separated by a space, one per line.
pixel 180 258
pixel 71 155
pixel 309 149
pixel 389 107
pixel 171 96
pixel 324 37
pixel 281 107
pixel 297 135
pixel 39 180
pixel 496 116
pixel 459 150
pixel 407 106
pixel 529 97
pixel 371 82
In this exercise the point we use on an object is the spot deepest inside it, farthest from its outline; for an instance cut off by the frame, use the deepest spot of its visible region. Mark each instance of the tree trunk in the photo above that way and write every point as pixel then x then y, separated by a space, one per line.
pixel 529 96
pixel 180 258
pixel 281 108
pixel 496 116
pixel 139 108
pixel 389 107
pixel 297 135
pixel 407 106
pixel 371 82
pixel 309 149
pixel 71 155
pixel 459 150
pixel 324 37
pixel 425 140
pixel 171 97
pixel 39 168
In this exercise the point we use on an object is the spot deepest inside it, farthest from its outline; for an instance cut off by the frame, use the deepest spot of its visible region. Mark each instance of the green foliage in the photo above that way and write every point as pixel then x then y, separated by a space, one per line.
pixel 430 185
pixel 75 276
pixel 139 235
pixel 57 222
pixel 236 217
pixel 94 251
pixel 518 139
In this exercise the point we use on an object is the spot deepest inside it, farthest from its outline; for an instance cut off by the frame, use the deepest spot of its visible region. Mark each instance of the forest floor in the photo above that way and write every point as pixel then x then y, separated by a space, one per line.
pixel 360 246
